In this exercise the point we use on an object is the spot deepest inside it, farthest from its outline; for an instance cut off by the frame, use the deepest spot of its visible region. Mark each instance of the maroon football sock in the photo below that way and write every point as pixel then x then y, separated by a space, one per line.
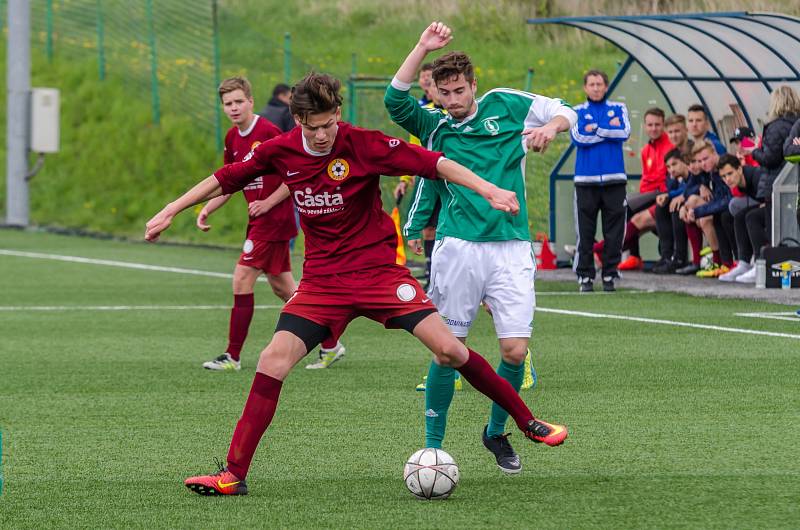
pixel 696 240
pixel 716 257
pixel 256 417
pixel 329 343
pixel 486 381
pixel 241 315
pixel 631 234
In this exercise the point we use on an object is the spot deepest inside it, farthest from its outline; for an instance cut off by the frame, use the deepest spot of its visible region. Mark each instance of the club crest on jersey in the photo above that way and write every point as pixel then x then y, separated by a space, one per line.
pixel 406 292
pixel 255 144
pixel 491 126
pixel 338 169
pixel 394 142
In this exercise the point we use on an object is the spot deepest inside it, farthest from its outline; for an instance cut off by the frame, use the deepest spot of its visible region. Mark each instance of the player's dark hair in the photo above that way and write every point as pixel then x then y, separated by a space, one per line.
pixel 728 160
pixel 655 111
pixel 235 83
pixel 698 108
pixel 595 73
pixel 427 67
pixel 315 94
pixel 676 153
pixel 675 118
pixel 451 65
pixel 280 89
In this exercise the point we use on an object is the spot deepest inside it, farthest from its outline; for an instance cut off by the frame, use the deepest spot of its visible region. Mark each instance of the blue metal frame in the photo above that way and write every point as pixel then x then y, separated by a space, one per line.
pixel 668 58
pixel 713 66
pixel 675 19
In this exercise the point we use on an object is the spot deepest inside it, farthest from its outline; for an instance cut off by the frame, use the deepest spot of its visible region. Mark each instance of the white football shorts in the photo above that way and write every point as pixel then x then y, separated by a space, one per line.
pixel 499 273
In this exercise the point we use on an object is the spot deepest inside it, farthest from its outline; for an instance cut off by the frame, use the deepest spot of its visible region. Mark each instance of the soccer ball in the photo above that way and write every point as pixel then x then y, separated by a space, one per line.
pixel 707 261
pixel 431 474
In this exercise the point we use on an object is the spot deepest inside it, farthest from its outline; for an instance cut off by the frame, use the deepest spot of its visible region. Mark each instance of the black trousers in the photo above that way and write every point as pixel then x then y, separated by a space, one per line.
pixel 609 201
pixel 672 240
pixel 758 225
pixel 744 246
pixel 723 224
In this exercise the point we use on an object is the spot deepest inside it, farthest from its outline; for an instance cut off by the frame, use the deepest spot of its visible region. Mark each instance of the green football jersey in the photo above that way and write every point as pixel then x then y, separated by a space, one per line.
pixel 490 143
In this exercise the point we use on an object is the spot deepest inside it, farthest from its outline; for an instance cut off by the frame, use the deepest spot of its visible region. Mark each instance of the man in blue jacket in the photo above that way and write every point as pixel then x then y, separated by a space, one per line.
pixel 602 127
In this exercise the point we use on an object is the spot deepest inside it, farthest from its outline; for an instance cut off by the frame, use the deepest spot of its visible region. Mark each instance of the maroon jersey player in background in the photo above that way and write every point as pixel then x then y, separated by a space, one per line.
pixel 271 225
pixel 332 170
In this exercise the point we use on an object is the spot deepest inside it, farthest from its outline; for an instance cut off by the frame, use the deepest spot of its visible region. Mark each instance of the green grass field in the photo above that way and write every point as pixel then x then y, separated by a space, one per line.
pixel 104 412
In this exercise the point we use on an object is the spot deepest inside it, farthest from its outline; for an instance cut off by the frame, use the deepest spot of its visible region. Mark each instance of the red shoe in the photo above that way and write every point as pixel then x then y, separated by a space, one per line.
pixel 633 263
pixel 222 482
pixel 548 433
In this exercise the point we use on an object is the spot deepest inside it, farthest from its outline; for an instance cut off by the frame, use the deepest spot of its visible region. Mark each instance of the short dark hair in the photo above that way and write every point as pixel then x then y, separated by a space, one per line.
pixel 728 160
pixel 315 94
pixel 655 111
pixel 280 89
pixel 595 72
pixel 427 67
pixel 698 108
pixel 675 153
pixel 451 65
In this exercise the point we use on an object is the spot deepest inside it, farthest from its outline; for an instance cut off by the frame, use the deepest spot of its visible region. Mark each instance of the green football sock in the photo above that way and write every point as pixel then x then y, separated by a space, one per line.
pixel 438 395
pixel 514 375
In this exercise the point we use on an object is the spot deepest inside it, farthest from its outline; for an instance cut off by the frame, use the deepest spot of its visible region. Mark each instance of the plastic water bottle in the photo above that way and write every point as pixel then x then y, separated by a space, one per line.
pixel 786 275
pixel 761 274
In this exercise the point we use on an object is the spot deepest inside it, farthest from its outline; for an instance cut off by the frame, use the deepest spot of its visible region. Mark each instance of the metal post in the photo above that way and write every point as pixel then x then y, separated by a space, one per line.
pixel 529 80
pixel 18 82
pixel 217 80
pixel 153 63
pixel 49 23
pixel 287 58
pixel 351 92
pixel 101 53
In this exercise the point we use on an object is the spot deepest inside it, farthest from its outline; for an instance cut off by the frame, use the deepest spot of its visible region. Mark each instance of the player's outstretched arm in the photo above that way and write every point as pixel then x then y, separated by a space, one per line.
pixel 435 36
pixel 212 206
pixel 206 189
pixel 538 138
pixel 498 198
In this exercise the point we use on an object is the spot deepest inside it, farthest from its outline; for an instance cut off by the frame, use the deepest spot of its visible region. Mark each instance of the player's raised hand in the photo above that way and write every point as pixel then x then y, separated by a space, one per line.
pixel 202 221
pixel 435 37
pixel 503 200
pixel 538 138
pixel 257 208
pixel 160 222
pixel 416 246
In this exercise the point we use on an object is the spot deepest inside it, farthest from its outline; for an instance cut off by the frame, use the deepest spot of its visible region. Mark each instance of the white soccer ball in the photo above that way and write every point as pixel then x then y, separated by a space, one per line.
pixel 431 474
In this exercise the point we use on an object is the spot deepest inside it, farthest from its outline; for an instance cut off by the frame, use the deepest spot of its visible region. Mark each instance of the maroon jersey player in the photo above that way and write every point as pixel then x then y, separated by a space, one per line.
pixel 270 227
pixel 332 170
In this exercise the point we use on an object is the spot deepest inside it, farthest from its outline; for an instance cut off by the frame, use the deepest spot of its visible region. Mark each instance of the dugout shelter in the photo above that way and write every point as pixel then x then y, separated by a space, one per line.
pixel 728 62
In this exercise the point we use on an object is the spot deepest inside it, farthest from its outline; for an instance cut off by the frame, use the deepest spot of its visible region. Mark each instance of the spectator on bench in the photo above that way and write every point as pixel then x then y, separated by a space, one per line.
pixel 678 134
pixel 672 241
pixel 743 179
pixel 700 128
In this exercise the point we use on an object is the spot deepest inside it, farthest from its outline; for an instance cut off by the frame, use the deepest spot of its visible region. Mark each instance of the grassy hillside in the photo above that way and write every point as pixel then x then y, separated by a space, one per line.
pixel 116 168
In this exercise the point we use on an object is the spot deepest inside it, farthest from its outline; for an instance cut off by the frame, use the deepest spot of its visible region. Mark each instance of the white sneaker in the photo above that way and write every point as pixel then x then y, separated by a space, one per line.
pixel 223 362
pixel 570 250
pixel 740 268
pixel 327 357
pixel 747 277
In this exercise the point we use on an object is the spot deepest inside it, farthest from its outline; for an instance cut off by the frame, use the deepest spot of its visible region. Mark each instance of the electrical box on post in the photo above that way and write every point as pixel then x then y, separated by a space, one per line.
pixel 45 122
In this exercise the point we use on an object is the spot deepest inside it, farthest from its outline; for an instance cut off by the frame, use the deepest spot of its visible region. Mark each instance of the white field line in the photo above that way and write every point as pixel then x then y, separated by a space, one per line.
pixel 601 293
pixel 140 266
pixel 112 263
pixel 124 307
pixel 668 323
pixel 785 315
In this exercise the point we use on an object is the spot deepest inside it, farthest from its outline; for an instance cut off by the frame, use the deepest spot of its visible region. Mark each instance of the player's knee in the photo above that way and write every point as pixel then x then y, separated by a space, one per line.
pixel 274 362
pixel 450 353
pixel 514 354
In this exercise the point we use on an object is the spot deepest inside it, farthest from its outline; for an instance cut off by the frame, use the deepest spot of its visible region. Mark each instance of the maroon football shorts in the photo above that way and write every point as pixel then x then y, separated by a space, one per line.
pixel 381 294
pixel 272 257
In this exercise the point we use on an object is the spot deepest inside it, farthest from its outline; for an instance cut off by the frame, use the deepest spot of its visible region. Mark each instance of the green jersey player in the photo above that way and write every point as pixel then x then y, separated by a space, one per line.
pixel 480 255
